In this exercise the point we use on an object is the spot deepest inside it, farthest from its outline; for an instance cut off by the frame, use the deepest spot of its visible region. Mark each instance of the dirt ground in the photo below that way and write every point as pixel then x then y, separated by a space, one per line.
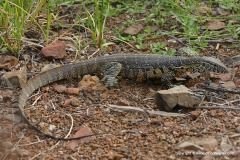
pixel 123 135
pixel 203 134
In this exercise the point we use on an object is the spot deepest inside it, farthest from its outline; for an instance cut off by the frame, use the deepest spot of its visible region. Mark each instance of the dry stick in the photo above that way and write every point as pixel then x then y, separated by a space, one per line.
pixel 137 109
pixel 219 107
pixel 220 89
pixel 30 42
pixel 70 130
pixel 214 40
pixel 28 144
pixel 235 135
pixel 94 53
pixel 227 103
pixel 36 100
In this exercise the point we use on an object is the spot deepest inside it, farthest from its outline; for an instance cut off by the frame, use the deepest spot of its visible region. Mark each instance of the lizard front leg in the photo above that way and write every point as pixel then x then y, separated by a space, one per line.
pixel 166 78
pixel 110 72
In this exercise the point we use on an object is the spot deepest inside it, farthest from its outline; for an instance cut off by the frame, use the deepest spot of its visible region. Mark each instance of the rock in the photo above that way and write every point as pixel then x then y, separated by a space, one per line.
pixel 213 13
pixel 55 49
pixel 59 88
pixel 51 127
pixel 67 102
pixel 169 124
pixel 133 29
pixel 113 155
pixel 123 102
pixel 238 129
pixel 75 102
pixel 14 118
pixel 222 12
pixel 83 131
pixel 88 81
pixel 16 78
pixel 215 25
pixel 195 114
pixel 203 8
pixel 92 83
pixel 7 62
pixel 189 146
pixel 229 85
pixel 179 95
pixel 6 96
pixel 71 101
pixel 72 91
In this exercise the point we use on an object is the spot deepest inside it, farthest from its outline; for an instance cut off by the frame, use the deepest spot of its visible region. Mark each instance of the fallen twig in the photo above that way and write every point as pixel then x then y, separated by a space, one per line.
pixel 220 89
pixel 137 109
pixel 13 148
pixel 218 107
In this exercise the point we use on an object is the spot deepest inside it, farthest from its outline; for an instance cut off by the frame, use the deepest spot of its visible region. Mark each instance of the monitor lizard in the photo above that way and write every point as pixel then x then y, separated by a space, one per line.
pixel 132 66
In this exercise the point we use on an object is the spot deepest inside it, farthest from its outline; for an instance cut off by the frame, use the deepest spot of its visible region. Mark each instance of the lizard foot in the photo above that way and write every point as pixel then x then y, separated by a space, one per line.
pixel 111 71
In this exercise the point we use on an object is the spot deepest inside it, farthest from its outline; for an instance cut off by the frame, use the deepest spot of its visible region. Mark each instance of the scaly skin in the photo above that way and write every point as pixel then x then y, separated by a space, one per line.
pixel 132 66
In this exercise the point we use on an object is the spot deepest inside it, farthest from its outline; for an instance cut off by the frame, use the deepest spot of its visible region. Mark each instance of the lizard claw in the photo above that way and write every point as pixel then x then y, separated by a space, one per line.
pixel 109 80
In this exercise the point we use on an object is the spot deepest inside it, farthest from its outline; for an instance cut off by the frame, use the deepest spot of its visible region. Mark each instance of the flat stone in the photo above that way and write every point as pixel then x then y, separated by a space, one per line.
pixel 123 102
pixel 7 62
pixel 215 25
pixel 16 78
pixel 59 88
pixel 222 12
pixel 238 129
pixel 133 29
pixel 55 49
pixel 195 114
pixel 177 96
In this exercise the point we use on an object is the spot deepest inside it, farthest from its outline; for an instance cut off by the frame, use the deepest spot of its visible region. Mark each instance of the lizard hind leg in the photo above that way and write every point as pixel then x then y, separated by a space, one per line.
pixel 110 72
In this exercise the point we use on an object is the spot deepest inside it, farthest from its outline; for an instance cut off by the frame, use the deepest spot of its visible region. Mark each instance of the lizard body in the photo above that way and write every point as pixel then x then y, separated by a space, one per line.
pixel 132 66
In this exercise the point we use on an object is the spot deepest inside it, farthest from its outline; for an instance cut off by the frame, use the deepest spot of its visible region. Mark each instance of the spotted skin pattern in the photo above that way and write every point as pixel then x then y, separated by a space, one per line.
pixel 132 66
